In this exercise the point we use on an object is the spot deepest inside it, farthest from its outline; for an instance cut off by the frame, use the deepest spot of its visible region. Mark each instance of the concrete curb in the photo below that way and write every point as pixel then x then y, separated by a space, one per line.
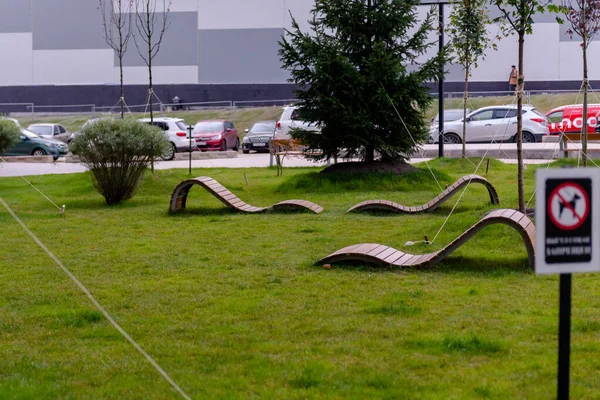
pixel 70 158
pixel 197 155
pixel 28 159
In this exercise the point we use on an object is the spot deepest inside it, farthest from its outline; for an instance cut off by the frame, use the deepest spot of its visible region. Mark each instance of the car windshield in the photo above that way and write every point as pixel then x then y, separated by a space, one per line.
pixel 181 125
pixel 262 127
pixel 41 129
pixel 208 127
pixel 28 134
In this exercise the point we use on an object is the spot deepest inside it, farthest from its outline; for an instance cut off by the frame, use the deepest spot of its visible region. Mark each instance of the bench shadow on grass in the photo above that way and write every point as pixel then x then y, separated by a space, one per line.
pixel 212 211
pixel 441 212
pixel 202 211
pixel 491 267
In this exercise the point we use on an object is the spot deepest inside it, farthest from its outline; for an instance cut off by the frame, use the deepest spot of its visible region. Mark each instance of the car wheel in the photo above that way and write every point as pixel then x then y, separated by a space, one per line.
pixel 169 154
pixel 237 144
pixel 452 138
pixel 528 138
pixel 224 145
pixel 39 152
pixel 245 151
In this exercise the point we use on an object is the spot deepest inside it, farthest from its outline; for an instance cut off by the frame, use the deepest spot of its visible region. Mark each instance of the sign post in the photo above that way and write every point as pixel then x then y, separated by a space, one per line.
pixel 567 220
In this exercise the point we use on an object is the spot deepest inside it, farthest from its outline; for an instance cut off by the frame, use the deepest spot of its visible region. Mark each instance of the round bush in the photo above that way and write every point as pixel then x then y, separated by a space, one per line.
pixel 117 152
pixel 9 134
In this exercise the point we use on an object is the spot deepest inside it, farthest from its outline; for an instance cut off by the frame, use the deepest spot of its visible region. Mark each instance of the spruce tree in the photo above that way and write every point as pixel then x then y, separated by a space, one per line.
pixel 361 59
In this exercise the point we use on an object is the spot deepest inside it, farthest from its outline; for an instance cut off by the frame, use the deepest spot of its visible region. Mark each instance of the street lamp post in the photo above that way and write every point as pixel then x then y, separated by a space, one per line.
pixel 440 4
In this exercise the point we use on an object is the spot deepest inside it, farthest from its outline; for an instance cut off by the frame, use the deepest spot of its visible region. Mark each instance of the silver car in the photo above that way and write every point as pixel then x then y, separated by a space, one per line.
pixel 53 131
pixel 495 124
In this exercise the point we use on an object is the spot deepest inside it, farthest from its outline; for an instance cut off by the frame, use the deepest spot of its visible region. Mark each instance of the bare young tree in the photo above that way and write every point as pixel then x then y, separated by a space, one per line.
pixel 151 21
pixel 584 16
pixel 516 17
pixel 469 41
pixel 116 21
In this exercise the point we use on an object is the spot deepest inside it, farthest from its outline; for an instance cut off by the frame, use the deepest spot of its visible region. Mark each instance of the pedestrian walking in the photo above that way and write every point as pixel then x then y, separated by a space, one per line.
pixel 512 78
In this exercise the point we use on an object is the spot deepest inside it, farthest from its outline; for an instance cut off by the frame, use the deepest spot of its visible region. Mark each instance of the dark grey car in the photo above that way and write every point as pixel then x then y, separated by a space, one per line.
pixel 258 137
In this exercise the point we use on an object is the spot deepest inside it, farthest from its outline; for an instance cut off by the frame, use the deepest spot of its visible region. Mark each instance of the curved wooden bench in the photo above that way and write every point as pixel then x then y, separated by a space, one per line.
pixel 297 204
pixel 434 203
pixel 385 255
pixel 179 198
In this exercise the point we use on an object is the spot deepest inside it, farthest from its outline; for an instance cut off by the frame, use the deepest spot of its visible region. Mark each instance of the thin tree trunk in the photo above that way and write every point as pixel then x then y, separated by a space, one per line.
pixel 584 127
pixel 369 154
pixel 520 83
pixel 150 92
pixel 465 97
pixel 122 98
pixel 121 54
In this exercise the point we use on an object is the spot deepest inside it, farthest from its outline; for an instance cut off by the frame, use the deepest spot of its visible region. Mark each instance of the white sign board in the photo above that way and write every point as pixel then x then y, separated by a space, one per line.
pixel 567 220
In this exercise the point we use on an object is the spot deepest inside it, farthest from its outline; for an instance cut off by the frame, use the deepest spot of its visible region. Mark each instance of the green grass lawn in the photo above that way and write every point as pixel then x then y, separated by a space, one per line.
pixel 233 305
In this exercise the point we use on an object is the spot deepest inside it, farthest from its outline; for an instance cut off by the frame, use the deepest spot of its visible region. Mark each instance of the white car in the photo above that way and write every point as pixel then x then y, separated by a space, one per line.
pixel 290 118
pixel 54 131
pixel 495 124
pixel 90 121
pixel 11 119
pixel 177 132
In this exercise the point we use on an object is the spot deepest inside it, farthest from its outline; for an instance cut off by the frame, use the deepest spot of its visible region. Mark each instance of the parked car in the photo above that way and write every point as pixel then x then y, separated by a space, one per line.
pixel 11 119
pixel 176 130
pixel 569 119
pixel 54 131
pixel 291 118
pixel 89 121
pixel 32 144
pixel 495 124
pixel 451 114
pixel 259 136
pixel 216 135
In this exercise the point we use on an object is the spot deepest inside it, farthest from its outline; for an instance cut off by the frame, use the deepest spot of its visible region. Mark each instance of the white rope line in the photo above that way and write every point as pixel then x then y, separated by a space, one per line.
pixel 556 149
pixel 582 152
pixel 467 186
pixel 95 302
pixel 60 209
pixel 410 243
pixel 411 136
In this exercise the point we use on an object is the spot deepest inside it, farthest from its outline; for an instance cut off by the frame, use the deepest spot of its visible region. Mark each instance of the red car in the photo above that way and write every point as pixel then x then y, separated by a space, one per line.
pixel 569 119
pixel 218 135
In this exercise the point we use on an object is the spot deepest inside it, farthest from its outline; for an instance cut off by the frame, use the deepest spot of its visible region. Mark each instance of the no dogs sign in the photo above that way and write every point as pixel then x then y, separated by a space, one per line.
pixel 567 220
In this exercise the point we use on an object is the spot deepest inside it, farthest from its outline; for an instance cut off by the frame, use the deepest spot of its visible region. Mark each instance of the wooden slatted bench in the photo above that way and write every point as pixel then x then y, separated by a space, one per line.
pixel 281 148
pixel 567 138
pixel 386 205
pixel 379 254
pixel 179 198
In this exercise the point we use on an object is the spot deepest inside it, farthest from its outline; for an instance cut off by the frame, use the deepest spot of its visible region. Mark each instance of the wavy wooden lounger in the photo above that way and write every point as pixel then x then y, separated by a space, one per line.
pixel 385 255
pixel 179 198
pixel 433 204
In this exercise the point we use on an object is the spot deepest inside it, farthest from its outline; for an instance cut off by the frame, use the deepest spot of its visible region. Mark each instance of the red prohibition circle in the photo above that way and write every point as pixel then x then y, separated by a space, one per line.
pixel 581 219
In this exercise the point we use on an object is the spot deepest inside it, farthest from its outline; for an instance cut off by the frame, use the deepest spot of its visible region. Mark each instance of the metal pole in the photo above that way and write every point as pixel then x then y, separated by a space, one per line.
pixel 190 130
pixel 564 336
pixel 441 85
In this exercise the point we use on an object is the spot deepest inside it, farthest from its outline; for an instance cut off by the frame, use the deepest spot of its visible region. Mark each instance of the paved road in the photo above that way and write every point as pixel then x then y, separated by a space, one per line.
pixel 535 153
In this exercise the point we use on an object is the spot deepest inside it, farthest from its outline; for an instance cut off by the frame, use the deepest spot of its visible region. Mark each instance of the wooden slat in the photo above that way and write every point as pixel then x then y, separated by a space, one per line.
pixel 379 249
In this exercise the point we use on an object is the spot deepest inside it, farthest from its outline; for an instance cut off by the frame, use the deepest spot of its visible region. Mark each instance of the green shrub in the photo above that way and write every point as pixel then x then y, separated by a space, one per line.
pixel 117 152
pixel 9 134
